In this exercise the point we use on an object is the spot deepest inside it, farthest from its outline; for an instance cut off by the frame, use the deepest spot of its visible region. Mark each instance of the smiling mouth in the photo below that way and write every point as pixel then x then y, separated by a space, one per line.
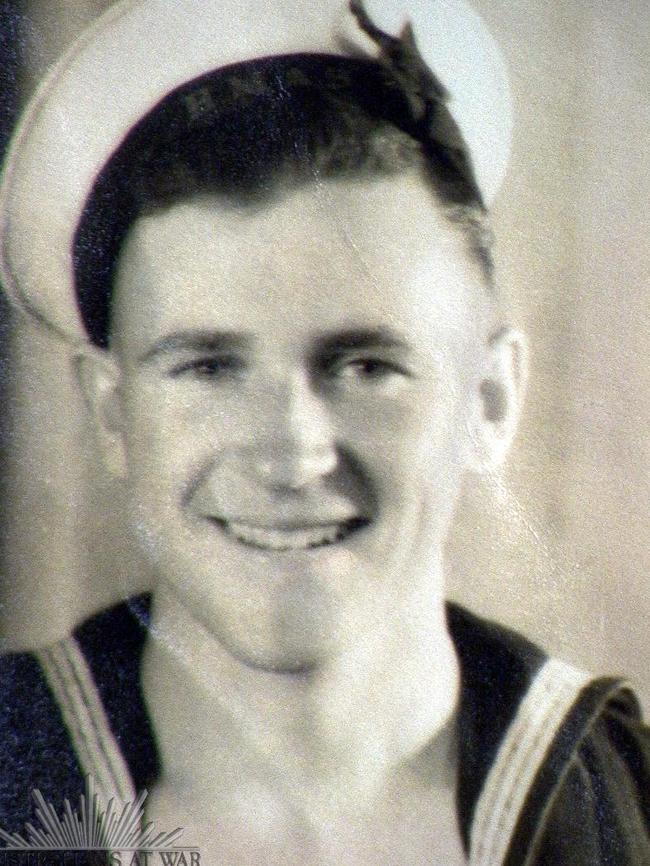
pixel 282 539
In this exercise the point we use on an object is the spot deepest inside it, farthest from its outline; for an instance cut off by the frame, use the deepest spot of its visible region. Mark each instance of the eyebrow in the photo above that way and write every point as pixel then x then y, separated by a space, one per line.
pixel 351 340
pixel 196 341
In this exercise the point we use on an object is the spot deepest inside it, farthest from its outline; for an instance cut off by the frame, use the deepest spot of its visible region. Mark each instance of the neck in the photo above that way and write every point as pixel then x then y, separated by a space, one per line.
pixel 326 742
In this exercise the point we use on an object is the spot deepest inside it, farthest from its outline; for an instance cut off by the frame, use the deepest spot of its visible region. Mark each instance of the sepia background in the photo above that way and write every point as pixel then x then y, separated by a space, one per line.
pixel 558 545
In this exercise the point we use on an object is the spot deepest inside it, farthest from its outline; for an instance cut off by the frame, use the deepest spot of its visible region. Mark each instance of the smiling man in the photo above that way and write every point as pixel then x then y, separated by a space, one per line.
pixel 293 431
pixel 295 354
pixel 294 428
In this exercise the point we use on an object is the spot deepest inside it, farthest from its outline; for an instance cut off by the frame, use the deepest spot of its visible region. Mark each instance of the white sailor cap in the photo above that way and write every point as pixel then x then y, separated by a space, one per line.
pixel 141 50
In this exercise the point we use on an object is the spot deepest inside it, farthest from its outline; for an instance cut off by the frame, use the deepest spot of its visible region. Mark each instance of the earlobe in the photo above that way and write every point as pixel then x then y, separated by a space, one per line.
pixel 98 377
pixel 499 399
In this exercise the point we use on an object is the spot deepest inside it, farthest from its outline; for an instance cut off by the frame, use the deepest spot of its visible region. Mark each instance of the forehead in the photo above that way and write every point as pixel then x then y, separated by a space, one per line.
pixel 338 254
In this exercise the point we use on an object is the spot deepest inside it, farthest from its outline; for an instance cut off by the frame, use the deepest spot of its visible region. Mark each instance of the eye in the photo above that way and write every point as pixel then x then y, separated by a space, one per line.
pixel 209 367
pixel 368 369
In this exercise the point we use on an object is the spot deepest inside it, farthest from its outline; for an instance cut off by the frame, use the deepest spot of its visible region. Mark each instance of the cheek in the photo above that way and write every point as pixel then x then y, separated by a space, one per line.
pixel 171 430
pixel 162 445
pixel 423 426
pixel 415 451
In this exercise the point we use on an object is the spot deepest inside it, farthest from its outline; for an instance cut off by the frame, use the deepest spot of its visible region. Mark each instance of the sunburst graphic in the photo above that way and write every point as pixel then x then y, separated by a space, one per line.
pixel 90 828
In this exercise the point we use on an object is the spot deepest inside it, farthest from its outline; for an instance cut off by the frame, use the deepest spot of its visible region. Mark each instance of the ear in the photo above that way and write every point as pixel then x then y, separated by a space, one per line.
pixel 98 376
pixel 498 403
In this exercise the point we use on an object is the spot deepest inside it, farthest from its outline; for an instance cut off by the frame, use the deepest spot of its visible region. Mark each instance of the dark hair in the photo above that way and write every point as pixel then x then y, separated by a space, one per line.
pixel 249 131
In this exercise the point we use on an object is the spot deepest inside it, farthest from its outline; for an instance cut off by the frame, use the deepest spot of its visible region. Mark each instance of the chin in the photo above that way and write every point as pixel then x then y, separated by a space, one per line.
pixel 293 635
pixel 299 653
pixel 297 663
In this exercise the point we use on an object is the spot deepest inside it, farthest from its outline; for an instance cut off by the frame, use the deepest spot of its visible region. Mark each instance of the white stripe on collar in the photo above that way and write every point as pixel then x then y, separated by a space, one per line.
pixel 72 685
pixel 541 713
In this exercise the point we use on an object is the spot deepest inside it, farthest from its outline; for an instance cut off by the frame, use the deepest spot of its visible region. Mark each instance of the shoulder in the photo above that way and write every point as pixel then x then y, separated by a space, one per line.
pixel 605 786
pixel 554 764
pixel 35 751
pixel 73 709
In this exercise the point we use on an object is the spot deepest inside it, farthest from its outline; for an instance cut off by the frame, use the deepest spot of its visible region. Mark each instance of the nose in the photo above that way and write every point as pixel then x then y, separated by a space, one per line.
pixel 294 443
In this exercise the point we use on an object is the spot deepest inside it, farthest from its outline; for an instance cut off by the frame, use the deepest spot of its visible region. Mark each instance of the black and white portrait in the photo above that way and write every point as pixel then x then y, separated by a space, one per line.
pixel 325 464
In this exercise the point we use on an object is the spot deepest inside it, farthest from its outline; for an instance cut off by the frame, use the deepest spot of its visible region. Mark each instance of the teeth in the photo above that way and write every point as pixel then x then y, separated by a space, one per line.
pixel 288 539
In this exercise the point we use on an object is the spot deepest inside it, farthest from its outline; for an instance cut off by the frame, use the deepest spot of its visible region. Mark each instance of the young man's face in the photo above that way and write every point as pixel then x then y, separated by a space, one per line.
pixel 297 386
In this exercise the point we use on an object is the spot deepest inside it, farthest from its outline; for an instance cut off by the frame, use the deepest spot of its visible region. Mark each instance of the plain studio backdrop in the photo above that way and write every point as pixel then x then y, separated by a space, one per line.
pixel 558 544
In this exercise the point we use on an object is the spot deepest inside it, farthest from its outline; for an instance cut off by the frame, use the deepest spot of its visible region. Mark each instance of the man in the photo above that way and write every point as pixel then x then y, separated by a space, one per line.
pixel 295 355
